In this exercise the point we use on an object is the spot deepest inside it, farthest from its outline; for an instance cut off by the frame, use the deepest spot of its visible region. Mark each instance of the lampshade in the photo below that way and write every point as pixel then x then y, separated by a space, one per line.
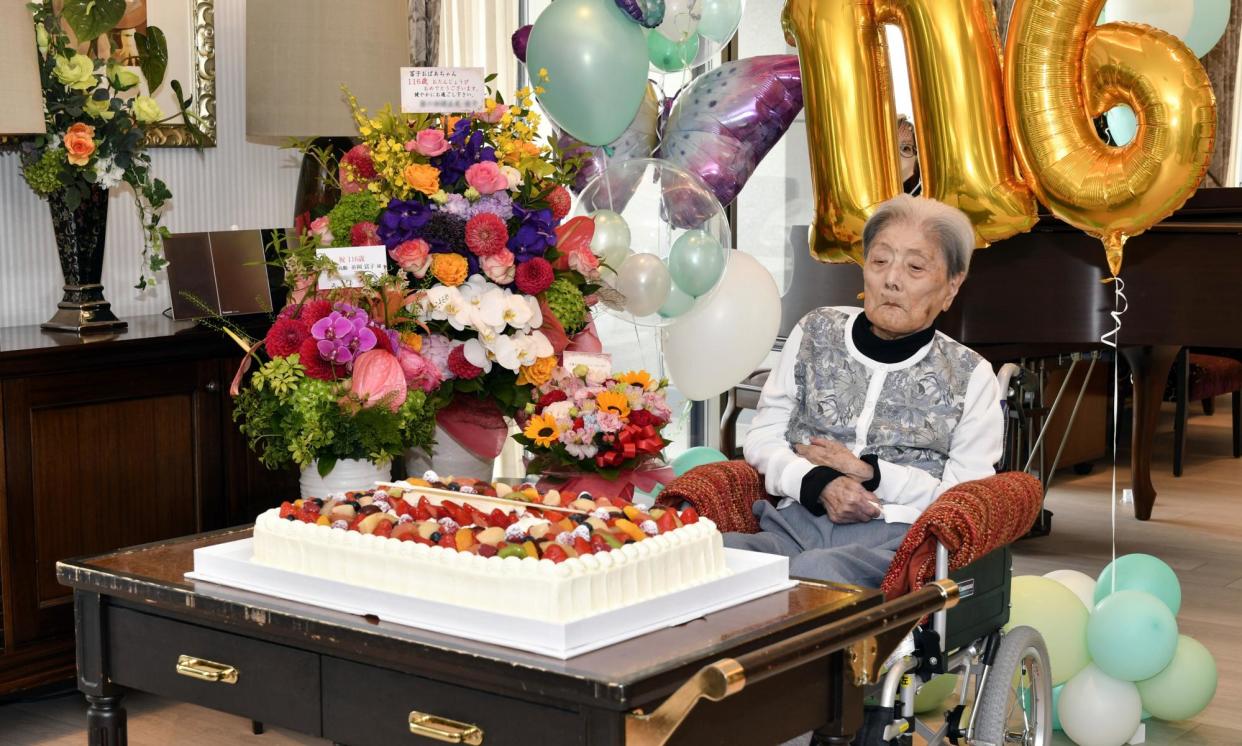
pixel 22 110
pixel 300 52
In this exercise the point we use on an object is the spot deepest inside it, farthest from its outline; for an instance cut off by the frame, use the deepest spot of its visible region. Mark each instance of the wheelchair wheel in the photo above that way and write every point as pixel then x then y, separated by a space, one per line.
pixel 1015 705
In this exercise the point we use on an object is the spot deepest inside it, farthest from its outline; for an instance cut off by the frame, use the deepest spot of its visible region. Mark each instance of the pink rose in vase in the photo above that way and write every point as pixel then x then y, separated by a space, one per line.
pixel 487 178
pixel 499 267
pixel 429 142
pixel 414 256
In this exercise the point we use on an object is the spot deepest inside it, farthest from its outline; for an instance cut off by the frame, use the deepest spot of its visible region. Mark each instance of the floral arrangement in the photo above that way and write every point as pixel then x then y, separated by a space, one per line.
pixel 96 127
pixel 583 422
pixel 338 384
pixel 470 209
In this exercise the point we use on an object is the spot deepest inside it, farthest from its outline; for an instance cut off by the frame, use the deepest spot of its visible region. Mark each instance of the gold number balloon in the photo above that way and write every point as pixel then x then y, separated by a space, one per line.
pixel 1061 70
pixel 965 153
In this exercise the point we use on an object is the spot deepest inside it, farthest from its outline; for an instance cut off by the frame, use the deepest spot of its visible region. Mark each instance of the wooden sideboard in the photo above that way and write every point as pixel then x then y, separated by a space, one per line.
pixel 109 441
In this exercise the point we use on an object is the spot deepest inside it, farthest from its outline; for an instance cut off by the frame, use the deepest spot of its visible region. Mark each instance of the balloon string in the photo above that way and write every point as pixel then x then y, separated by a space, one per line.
pixel 1120 305
pixel 607 179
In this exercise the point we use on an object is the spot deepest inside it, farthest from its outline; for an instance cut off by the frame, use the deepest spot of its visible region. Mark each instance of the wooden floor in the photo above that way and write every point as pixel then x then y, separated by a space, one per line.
pixel 1196 528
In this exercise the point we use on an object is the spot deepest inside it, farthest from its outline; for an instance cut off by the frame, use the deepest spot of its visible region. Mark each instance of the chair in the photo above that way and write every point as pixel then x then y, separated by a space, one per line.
pixel 1199 376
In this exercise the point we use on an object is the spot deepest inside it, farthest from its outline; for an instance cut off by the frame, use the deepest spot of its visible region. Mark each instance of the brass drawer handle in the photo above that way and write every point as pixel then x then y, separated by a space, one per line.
pixel 203 670
pixel 443 729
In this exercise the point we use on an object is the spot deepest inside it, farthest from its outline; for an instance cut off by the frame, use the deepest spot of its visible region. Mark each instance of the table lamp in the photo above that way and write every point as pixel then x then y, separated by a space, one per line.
pixel 298 55
pixel 22 112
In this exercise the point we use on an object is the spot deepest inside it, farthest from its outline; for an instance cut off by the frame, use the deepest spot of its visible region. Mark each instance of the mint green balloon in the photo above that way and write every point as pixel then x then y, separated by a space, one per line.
pixel 720 20
pixel 1206 28
pixel 696 456
pixel 1185 687
pixel 696 262
pixel 595 58
pixel 677 304
pixel 1131 635
pixel 671 56
pixel 1141 572
pixel 1059 616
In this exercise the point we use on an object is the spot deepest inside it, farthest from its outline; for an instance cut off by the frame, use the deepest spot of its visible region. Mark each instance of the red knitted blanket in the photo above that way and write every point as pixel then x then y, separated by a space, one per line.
pixel 971 519
pixel 723 491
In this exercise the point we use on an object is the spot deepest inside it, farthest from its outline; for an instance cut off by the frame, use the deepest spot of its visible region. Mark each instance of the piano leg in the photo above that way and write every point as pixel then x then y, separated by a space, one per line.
pixel 1150 366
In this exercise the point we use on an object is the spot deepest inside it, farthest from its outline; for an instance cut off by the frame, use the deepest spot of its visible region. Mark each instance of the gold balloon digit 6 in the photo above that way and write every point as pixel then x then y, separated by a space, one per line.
pixel 1061 71
pixel 966 157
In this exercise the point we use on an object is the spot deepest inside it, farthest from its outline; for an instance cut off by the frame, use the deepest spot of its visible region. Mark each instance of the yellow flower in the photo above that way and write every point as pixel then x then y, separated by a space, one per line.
pixel 539 90
pixel 542 430
pixel 538 373
pixel 146 110
pixel 422 177
pixel 636 378
pixel 449 269
pixel 98 108
pixel 413 340
pixel 76 72
pixel 611 401
pixel 122 79
pixel 543 74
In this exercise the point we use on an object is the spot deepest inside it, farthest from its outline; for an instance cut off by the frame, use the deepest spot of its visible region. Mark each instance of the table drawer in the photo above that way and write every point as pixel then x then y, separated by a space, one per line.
pixel 274 684
pixel 369 706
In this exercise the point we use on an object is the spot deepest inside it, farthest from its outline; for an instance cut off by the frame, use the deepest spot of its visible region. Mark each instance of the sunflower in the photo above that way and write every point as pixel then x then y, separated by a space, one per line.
pixel 639 378
pixel 611 401
pixel 542 430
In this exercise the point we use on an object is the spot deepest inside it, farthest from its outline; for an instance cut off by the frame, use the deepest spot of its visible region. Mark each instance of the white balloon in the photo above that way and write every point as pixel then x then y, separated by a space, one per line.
pixel 645 282
pixel 725 337
pixel 1082 584
pixel 612 233
pixel 1097 710
pixel 1166 15
pixel 681 19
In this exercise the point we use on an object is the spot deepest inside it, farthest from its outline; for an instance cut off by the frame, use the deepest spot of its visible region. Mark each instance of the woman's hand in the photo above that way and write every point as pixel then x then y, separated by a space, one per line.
pixel 828 452
pixel 847 502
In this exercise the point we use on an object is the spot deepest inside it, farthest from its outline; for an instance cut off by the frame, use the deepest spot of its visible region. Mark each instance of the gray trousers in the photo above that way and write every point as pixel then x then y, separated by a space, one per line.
pixel 817 548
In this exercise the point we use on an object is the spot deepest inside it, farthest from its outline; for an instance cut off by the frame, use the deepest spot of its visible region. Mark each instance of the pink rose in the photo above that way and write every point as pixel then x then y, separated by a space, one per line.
pixel 414 256
pixel 429 142
pixel 487 178
pixel 585 263
pixel 379 379
pixel 499 267
pixel 319 229
pixel 420 373
pixel 493 116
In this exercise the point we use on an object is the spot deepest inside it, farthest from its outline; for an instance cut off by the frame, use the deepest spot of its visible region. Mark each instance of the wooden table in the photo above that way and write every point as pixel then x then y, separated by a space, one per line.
pixel 356 680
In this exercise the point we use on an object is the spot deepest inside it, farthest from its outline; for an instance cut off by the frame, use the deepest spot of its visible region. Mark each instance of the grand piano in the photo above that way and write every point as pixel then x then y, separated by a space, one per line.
pixel 1040 294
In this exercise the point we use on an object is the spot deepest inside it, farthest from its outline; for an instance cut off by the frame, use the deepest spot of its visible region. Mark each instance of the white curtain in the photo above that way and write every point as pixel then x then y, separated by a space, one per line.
pixel 476 33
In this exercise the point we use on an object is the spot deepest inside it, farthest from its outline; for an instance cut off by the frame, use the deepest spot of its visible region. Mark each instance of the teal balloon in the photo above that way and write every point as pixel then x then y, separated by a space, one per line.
pixel 1185 687
pixel 1141 572
pixel 596 63
pixel 677 304
pixel 671 56
pixel 720 19
pixel 696 262
pixel 1131 635
pixel 696 456
pixel 1206 28
pixel 1122 124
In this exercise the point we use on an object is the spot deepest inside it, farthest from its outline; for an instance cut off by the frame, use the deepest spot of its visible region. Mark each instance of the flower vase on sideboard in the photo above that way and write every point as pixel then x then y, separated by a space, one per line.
pixel 448 458
pixel 347 475
pixel 80 234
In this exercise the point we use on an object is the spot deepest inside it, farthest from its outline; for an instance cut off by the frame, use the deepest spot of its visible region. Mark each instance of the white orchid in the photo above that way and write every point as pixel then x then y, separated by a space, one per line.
pixel 442 302
pixel 517 312
pixel 531 346
pixel 477 355
pixel 506 353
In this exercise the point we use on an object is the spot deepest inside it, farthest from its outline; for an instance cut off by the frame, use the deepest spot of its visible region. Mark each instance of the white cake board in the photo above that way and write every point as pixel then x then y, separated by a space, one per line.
pixel 753 575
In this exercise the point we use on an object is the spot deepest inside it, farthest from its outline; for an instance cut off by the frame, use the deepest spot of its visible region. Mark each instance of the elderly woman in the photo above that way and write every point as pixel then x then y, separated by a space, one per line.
pixel 871 414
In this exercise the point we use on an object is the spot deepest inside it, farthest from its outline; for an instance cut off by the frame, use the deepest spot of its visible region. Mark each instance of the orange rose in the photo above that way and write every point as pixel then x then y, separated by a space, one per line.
pixel 450 269
pixel 80 143
pixel 538 373
pixel 413 340
pixel 423 178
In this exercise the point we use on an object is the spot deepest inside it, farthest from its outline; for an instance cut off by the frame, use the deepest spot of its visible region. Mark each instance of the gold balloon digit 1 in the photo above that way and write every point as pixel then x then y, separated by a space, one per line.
pixel 965 153
pixel 1061 71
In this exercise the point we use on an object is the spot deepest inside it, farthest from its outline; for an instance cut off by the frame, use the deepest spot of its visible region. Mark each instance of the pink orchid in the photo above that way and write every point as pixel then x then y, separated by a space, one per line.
pixel 487 178
pixel 379 379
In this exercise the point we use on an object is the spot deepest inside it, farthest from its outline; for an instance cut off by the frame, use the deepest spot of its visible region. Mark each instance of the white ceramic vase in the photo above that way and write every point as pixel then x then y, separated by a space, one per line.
pixel 348 474
pixel 448 459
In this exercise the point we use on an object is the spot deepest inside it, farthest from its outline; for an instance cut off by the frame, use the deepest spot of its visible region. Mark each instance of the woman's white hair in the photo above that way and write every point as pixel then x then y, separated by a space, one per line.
pixel 947 226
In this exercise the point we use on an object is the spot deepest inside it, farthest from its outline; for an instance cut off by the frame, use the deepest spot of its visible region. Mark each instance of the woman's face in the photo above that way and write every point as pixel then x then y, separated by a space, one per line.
pixel 906 282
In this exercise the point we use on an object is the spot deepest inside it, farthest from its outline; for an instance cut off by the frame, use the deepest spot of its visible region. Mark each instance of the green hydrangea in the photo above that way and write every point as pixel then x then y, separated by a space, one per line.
pixel 355 208
pixel 567 303
pixel 44 175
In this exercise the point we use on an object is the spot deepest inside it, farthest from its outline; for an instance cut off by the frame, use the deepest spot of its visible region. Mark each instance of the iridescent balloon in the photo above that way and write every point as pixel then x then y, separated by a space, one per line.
pixel 724 122
pixel 648 13
pixel 638 141
pixel 612 234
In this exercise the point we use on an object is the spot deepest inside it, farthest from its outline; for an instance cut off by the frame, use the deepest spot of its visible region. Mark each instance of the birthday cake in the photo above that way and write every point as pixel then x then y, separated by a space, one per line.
pixel 549 557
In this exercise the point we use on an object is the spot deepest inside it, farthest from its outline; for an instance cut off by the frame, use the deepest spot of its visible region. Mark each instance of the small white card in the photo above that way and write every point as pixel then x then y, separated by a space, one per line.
pixel 352 263
pixel 442 90
pixel 598 364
